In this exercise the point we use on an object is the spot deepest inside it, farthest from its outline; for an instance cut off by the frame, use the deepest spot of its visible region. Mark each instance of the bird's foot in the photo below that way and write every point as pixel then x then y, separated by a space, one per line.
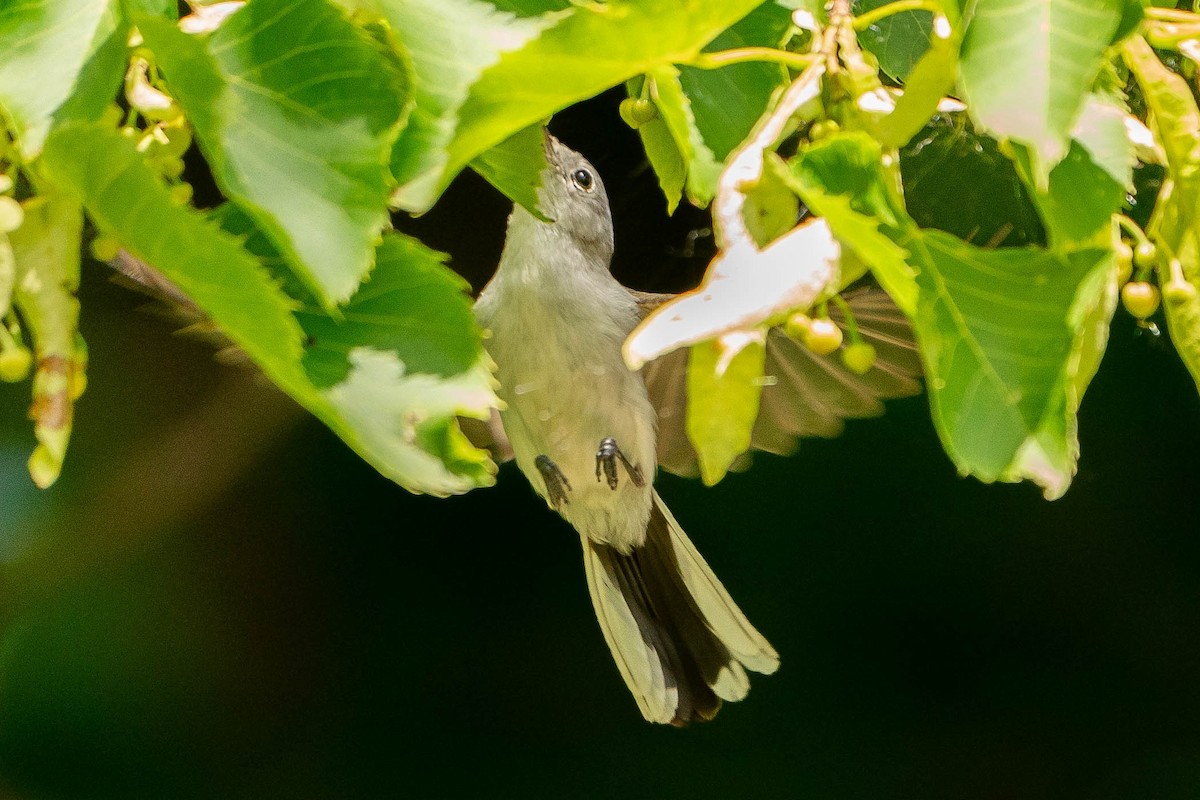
pixel 606 461
pixel 556 482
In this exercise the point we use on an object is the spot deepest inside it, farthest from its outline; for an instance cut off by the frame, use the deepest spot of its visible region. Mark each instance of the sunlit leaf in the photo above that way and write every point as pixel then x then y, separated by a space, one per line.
pixel 665 157
pixel 560 66
pixel 404 423
pixel 413 306
pixel 1103 132
pixel 1027 66
pixel 700 165
pixel 515 167
pixel 451 43
pixel 724 386
pixel 399 419
pixel 841 179
pixel 295 110
pixel 45 45
pixel 1001 332
pixel 771 208
pixel 129 202
pixel 926 84
pixel 899 41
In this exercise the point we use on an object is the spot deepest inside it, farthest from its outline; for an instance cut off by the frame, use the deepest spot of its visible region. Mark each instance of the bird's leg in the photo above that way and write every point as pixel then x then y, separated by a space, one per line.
pixel 606 459
pixel 556 482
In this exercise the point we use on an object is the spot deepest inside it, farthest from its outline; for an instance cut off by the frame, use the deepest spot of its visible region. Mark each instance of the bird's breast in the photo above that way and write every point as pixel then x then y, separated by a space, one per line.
pixel 566 388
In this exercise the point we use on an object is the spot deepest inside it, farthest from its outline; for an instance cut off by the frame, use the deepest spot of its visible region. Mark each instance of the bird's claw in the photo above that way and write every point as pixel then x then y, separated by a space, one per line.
pixel 607 457
pixel 556 482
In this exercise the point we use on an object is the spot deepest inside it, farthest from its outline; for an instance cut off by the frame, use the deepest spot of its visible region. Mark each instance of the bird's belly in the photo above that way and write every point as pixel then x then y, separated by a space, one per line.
pixel 563 411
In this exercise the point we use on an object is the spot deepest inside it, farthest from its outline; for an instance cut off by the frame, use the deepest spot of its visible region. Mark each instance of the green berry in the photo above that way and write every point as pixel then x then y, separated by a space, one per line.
pixel 112 116
pixel 6 183
pixel 171 168
pixel 11 214
pixel 797 326
pixel 181 194
pixel 823 336
pixel 105 248
pixel 637 111
pixel 178 141
pixel 823 129
pixel 15 363
pixel 1124 254
pixel 1179 291
pixel 859 357
pixel 1145 255
pixel 1140 298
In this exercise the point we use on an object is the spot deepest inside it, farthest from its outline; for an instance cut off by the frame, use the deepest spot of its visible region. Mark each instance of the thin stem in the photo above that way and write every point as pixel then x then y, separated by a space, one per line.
pixel 851 322
pixel 864 21
pixel 7 341
pixel 1131 227
pixel 741 55
pixel 1172 15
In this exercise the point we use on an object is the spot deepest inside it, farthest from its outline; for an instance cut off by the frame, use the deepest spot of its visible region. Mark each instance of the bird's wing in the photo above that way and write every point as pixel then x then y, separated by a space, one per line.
pixel 805 394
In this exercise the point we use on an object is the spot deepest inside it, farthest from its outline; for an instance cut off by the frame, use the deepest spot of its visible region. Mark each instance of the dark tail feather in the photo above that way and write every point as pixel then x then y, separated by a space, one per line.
pixel 680 641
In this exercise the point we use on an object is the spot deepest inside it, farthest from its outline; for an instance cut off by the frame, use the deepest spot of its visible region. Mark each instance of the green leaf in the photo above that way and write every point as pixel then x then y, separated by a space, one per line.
pixel 930 80
pixel 709 112
pixel 561 67
pixel 161 8
pixel 771 208
pixel 295 110
pixel 401 362
pixel 450 42
pixel 664 155
pixel 841 178
pixel 1001 334
pixel 1132 15
pixel 99 80
pixel 401 420
pixel 1101 131
pixel 724 388
pixel 128 201
pixel 46 44
pixel 1027 66
pixel 723 105
pixel 531 8
pixel 412 306
pixel 405 423
pixel 1079 201
pixel 46 251
pixel 1050 456
pixel 701 167
pixel 898 41
pixel 515 167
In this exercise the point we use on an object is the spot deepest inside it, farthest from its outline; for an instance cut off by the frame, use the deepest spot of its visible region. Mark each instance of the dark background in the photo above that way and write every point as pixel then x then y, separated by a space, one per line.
pixel 219 599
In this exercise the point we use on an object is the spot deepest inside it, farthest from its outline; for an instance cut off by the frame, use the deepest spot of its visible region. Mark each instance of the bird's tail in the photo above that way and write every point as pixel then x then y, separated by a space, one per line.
pixel 680 641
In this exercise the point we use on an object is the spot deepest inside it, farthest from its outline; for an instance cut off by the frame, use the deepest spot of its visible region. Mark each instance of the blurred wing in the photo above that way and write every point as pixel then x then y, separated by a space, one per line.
pixel 806 394
pixel 180 310
pixel 176 307
pixel 488 435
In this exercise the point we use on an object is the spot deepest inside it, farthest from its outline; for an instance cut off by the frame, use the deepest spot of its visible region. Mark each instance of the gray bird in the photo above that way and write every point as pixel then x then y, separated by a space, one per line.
pixel 589 434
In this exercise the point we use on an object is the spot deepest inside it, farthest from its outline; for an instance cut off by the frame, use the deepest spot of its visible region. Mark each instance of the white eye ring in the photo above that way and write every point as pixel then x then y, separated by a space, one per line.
pixel 583 179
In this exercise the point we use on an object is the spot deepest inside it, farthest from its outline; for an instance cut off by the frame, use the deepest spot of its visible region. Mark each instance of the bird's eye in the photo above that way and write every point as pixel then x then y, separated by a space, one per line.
pixel 583 179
